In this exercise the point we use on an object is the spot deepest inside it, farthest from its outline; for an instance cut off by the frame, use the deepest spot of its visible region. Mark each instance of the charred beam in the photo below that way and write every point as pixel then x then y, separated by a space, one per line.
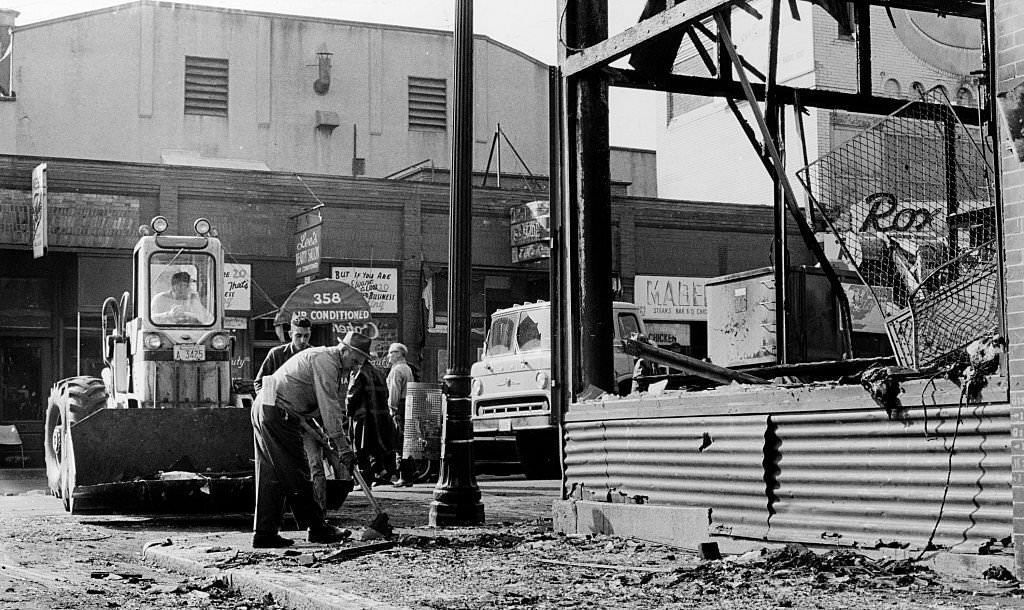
pixel 809 98
pixel 692 366
pixel 646 32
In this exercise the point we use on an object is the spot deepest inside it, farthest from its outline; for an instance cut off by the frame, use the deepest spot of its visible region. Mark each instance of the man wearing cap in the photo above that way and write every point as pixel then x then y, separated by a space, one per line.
pixel 313 379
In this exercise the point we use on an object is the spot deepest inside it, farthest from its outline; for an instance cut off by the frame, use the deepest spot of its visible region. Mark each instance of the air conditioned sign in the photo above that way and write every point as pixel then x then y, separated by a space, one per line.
pixel 661 297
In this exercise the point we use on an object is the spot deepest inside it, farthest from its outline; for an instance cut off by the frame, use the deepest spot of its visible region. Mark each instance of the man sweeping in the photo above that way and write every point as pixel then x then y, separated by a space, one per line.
pixel 316 377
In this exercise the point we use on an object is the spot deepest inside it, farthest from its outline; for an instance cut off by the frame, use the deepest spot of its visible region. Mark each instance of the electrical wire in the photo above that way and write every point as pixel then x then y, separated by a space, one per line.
pixel 949 472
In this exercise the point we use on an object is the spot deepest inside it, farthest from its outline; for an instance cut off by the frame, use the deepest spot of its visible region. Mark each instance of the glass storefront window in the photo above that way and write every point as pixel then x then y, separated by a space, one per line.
pixel 26 303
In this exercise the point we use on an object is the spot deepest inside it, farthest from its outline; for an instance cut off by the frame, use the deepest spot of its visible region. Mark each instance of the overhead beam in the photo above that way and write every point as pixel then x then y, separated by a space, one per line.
pixel 809 98
pixel 645 32
pixel 956 8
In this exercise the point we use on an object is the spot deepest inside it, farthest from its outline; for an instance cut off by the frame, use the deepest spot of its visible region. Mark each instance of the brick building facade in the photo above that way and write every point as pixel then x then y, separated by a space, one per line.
pixel 397 226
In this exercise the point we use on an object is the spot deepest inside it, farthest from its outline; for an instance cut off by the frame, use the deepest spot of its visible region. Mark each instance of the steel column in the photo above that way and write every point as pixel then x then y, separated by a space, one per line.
pixel 457 497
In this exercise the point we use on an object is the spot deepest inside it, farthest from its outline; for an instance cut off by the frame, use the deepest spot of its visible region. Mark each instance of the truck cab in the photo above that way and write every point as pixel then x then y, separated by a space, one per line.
pixel 513 421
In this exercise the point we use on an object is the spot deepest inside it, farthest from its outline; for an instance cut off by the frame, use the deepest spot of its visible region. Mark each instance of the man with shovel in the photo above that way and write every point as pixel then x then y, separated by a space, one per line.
pixel 314 378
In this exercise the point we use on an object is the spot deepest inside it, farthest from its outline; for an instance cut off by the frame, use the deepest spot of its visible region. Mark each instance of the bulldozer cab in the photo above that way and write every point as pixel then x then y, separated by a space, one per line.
pixel 173 351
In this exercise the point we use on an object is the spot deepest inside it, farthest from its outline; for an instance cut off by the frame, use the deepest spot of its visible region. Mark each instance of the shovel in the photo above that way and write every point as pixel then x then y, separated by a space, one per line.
pixel 381 523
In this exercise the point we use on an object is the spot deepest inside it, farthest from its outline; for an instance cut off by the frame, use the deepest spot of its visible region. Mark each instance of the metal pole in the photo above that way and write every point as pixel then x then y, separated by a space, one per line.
pixel 561 378
pixel 997 169
pixel 779 251
pixel 457 497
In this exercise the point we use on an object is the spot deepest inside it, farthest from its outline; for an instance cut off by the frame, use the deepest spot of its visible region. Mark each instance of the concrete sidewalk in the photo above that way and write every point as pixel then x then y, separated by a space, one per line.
pixel 229 556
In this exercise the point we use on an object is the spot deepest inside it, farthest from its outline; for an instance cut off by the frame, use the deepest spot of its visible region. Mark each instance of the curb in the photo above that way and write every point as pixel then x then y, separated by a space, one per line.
pixel 291 591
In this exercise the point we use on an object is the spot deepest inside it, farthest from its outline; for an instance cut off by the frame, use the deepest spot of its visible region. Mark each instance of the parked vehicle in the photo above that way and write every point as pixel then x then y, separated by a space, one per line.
pixel 513 420
pixel 161 428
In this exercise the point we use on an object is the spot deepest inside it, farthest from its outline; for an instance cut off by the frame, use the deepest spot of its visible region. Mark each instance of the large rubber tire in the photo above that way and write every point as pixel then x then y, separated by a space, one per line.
pixel 79 397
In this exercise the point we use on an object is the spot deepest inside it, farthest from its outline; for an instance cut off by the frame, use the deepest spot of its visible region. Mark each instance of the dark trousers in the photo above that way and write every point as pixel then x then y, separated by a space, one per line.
pixel 282 471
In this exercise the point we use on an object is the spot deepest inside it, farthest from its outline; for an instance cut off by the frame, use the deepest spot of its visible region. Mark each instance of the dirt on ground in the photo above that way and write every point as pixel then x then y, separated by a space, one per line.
pixel 527 565
pixel 58 561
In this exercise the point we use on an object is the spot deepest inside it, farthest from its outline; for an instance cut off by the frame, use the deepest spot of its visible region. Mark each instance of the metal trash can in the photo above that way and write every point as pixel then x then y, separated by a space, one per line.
pixel 422 439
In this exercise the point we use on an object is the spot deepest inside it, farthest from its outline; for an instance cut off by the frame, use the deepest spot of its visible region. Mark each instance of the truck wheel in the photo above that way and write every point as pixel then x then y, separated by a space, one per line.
pixel 79 397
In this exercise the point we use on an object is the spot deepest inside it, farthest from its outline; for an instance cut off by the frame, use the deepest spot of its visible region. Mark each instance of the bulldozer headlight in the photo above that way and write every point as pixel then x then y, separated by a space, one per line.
pixel 159 224
pixel 478 387
pixel 202 226
pixel 542 380
pixel 220 342
pixel 153 341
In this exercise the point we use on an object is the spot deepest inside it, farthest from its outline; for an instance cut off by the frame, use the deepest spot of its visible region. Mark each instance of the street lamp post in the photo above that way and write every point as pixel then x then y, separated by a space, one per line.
pixel 457 497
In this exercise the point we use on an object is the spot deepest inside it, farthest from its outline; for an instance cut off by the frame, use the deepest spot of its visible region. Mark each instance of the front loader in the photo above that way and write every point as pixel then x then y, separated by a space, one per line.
pixel 160 430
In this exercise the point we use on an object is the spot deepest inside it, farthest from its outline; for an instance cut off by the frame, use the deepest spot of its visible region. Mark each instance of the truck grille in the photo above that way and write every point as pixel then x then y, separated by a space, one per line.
pixel 518 407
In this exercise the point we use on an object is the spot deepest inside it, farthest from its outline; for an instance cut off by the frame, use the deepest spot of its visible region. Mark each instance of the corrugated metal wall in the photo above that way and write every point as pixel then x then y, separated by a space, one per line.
pixel 670 462
pixel 857 477
pixel 811 464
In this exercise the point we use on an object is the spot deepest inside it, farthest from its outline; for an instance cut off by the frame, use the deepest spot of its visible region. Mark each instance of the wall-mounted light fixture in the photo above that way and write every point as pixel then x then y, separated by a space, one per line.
pixel 323 81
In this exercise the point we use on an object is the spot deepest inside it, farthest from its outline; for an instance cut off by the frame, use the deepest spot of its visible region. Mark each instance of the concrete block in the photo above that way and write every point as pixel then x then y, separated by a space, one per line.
pixel 685 527
pixel 563 516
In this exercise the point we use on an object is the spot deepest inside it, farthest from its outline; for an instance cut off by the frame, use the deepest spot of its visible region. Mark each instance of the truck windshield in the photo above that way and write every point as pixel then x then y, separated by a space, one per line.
pixel 628 325
pixel 183 285
pixel 499 338
pixel 533 332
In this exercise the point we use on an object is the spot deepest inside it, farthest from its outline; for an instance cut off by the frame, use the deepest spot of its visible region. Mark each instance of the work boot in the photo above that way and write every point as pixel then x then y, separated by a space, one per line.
pixel 325 533
pixel 405 474
pixel 270 540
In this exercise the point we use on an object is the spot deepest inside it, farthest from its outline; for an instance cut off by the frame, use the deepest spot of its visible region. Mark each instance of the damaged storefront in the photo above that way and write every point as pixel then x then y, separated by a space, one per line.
pixel 861 400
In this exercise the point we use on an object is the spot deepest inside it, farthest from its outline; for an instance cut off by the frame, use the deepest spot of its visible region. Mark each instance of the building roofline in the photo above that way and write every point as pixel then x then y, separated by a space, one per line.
pixel 268 15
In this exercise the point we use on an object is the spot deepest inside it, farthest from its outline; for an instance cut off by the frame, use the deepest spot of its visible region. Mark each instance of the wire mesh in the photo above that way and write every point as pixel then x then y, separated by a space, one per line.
pixel 909 201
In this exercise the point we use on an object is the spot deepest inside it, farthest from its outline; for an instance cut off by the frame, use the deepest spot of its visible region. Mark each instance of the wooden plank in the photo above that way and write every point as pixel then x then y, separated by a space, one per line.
pixel 644 32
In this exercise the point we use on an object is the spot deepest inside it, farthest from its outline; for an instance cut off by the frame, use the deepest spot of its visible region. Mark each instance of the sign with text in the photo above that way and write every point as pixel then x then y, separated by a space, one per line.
pixel 39 228
pixel 307 243
pixel 237 287
pixel 529 231
pixel 670 298
pixel 379 285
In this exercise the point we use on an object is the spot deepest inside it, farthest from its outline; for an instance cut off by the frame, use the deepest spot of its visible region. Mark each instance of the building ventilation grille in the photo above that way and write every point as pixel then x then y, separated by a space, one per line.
pixel 206 86
pixel 428 103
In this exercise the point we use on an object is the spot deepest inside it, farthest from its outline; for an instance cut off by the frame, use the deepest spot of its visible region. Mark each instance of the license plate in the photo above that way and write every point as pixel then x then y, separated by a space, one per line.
pixel 190 353
pixel 504 425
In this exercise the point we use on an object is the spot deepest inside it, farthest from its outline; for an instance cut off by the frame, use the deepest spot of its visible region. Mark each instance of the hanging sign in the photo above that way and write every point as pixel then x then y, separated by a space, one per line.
pixel 307 243
pixel 39 228
pixel 529 231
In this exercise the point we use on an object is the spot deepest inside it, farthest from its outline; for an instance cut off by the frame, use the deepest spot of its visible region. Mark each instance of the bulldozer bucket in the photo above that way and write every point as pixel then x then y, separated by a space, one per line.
pixel 161 460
